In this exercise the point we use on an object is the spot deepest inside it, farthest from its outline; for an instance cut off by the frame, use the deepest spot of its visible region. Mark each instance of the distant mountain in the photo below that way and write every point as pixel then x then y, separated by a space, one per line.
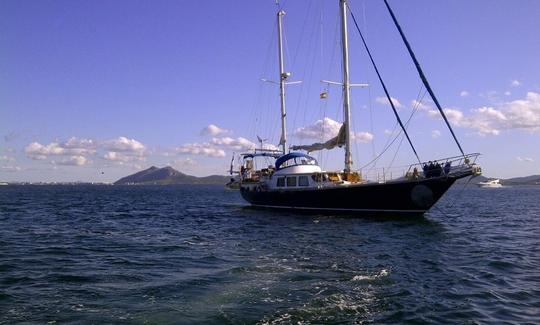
pixel 168 176
pixel 527 180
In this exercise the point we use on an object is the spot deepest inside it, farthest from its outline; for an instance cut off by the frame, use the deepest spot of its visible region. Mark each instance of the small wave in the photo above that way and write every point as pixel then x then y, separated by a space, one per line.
pixel 381 274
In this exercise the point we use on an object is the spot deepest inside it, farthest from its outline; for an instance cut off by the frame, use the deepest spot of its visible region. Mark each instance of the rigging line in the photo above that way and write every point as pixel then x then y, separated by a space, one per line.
pixel 302 31
pixel 422 76
pixel 258 109
pixel 364 18
pixel 305 89
pixel 383 84
pixel 408 122
pixel 388 142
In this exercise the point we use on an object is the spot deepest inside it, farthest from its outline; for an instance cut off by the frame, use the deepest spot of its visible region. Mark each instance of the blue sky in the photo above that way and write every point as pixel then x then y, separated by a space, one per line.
pixel 96 90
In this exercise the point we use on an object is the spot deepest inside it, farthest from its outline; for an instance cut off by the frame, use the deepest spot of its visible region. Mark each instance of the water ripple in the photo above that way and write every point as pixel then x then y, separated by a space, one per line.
pixel 155 254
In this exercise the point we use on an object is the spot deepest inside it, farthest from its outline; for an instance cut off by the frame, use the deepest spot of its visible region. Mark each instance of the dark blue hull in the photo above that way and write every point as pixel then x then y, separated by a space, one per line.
pixel 410 197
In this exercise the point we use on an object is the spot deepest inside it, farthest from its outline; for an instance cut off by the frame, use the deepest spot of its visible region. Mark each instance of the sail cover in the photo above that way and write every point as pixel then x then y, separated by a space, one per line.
pixel 337 141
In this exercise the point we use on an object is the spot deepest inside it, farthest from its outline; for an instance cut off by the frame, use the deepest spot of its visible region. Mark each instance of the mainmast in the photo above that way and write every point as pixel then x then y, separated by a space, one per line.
pixel 346 86
pixel 282 78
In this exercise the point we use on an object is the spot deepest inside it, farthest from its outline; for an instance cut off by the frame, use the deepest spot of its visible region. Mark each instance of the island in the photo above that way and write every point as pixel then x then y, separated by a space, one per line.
pixel 168 176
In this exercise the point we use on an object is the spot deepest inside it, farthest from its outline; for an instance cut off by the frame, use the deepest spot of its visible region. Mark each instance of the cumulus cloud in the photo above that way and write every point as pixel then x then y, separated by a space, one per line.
pixel 214 130
pixel 464 93
pixel 73 146
pixel 420 105
pixel 234 144
pixel 525 159
pixel 326 129
pixel 515 83
pixel 205 149
pixel 435 134
pixel 384 101
pixel 521 114
pixel 37 151
pixel 72 161
pixel 77 150
pixel 122 157
pixel 363 137
pixel 124 144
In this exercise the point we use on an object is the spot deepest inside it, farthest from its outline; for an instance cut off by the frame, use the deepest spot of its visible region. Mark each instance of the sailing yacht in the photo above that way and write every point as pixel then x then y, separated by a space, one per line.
pixel 295 180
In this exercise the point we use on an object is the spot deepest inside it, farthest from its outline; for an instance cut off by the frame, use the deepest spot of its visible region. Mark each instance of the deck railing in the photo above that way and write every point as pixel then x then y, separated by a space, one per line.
pixel 454 165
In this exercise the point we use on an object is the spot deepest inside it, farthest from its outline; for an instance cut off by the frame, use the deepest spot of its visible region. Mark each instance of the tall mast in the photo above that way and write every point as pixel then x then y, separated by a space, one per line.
pixel 282 78
pixel 346 86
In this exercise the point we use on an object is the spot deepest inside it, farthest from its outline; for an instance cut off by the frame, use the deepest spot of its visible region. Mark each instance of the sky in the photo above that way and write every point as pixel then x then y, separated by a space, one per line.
pixel 96 90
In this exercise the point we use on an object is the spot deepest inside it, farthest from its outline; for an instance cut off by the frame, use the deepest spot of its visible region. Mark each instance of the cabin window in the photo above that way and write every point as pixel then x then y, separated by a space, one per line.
pixel 291 181
pixel 280 182
pixel 303 181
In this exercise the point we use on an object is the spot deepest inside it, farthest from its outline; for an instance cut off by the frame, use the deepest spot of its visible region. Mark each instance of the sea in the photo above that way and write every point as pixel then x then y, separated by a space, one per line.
pixel 200 255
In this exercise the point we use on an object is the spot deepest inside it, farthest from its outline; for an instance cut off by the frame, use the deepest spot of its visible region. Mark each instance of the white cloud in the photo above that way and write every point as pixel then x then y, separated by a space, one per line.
pixel 435 134
pixel 521 114
pixel 122 157
pixel 507 93
pixel 37 151
pixel 362 137
pixel 384 101
pixel 454 115
pixel 73 161
pixel 326 129
pixel 234 144
pixel 214 130
pixel 525 159
pixel 464 93
pixel 73 146
pixel 205 149
pixel 78 143
pixel 515 83
pixel 75 149
pixel 124 144
pixel 420 105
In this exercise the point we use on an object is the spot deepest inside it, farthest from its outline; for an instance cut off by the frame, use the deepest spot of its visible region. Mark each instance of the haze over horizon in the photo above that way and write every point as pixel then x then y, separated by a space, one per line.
pixel 95 90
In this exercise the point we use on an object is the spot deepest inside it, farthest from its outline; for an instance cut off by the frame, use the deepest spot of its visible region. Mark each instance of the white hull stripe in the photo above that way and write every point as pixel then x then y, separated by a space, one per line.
pixel 335 209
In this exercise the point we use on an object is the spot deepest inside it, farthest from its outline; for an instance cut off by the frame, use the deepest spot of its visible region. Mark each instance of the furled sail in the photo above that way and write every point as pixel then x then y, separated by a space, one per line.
pixel 337 141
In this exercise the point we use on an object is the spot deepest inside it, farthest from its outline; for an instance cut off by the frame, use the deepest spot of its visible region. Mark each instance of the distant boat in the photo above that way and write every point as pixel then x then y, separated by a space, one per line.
pixel 296 181
pixel 490 184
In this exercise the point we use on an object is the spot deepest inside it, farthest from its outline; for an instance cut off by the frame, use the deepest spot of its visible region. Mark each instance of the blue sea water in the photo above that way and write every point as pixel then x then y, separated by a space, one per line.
pixel 198 254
